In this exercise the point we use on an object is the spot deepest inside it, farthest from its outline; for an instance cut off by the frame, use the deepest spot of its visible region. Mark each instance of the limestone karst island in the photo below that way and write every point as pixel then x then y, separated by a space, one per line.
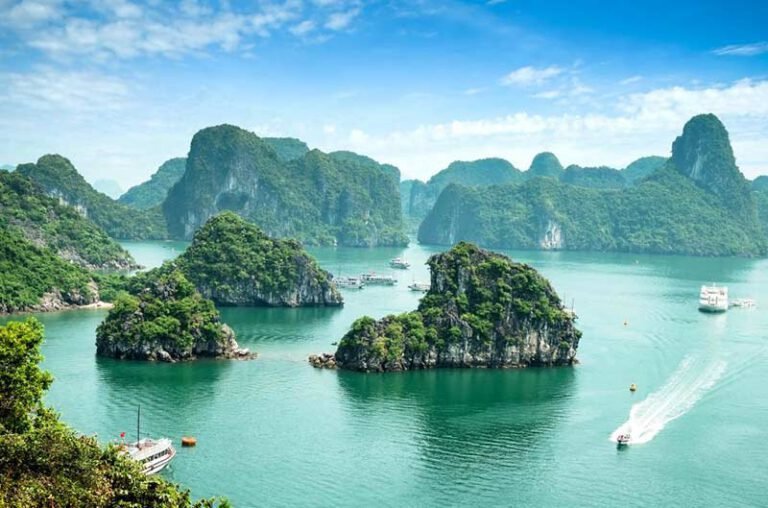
pixel 363 253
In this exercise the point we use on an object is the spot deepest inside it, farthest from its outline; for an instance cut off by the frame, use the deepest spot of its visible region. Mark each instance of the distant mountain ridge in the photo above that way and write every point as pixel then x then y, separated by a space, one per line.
pixel 418 197
pixel 697 203
pixel 338 198
pixel 153 192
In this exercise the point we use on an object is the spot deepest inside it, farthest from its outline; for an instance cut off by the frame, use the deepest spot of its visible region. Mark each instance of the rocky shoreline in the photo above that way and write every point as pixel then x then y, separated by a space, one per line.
pixel 323 361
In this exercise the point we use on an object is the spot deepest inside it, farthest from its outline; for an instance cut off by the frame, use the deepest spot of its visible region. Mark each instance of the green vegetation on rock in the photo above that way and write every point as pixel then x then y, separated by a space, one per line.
pixel 483 310
pixel 161 316
pixel 673 211
pixel 25 208
pixel 43 462
pixel 545 164
pixel 319 198
pixel 59 178
pixel 642 167
pixel 153 192
pixel 233 262
pixel 422 196
pixel 595 178
pixel 46 250
pixel 287 149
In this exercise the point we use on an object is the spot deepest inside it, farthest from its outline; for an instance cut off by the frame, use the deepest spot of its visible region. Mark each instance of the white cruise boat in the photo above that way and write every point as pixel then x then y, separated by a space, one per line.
pixel 379 280
pixel 713 298
pixel 152 455
pixel 349 282
pixel 399 263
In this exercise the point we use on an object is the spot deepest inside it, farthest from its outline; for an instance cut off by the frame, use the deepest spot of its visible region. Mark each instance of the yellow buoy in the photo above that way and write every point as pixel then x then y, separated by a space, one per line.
pixel 633 387
pixel 188 441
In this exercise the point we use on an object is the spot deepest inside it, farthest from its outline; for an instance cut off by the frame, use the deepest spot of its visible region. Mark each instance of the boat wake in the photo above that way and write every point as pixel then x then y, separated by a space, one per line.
pixel 690 381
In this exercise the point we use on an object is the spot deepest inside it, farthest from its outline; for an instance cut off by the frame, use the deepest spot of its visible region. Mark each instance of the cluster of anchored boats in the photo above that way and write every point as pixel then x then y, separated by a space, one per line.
pixel 377 279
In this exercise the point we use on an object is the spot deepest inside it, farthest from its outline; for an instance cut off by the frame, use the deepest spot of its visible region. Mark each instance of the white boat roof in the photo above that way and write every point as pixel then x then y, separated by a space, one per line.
pixel 147 447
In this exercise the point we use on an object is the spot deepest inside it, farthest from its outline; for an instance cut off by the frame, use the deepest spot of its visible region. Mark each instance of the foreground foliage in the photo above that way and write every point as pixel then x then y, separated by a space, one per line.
pixel 44 463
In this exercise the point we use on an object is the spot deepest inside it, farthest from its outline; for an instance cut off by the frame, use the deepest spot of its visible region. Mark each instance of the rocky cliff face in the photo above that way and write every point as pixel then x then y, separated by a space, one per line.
pixel 483 310
pixel 703 153
pixel 233 262
pixel 171 351
pixel 338 198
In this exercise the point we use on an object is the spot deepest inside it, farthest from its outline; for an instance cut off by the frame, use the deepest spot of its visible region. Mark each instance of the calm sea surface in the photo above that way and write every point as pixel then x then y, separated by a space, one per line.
pixel 275 431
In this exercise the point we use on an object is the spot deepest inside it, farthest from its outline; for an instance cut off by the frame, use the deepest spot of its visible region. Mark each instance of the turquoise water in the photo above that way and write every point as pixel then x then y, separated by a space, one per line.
pixel 274 431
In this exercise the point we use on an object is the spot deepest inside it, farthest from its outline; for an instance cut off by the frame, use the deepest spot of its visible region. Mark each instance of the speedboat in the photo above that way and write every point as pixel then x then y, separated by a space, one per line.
pixel 623 439
pixel 400 263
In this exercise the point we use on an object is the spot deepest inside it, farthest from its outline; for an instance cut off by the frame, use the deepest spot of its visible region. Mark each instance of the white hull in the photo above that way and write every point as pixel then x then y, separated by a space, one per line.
pixel 157 466
pixel 712 308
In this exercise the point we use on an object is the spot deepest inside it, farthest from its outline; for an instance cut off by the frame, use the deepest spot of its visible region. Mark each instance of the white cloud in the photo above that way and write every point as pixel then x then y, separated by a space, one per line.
pixel 474 91
pixel 303 28
pixel 526 76
pixel 755 48
pixel 29 12
pixel 53 90
pixel 630 80
pixel 640 124
pixel 129 29
pixel 548 94
pixel 341 20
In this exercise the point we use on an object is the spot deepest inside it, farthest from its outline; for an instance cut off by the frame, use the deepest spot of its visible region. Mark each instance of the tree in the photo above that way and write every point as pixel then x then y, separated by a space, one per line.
pixel 22 383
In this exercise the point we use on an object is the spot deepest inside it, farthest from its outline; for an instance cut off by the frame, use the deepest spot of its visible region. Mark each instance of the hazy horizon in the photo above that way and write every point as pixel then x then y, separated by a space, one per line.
pixel 119 87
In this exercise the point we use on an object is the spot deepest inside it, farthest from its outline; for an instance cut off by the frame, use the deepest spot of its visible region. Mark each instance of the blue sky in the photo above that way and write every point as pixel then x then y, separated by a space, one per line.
pixel 119 86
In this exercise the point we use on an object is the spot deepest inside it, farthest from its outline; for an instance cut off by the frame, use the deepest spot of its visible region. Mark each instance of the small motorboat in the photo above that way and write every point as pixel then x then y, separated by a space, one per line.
pixel 633 387
pixel 623 440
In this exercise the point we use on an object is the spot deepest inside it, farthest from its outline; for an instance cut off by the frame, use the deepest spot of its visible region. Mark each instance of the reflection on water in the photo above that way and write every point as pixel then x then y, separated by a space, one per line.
pixel 465 419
